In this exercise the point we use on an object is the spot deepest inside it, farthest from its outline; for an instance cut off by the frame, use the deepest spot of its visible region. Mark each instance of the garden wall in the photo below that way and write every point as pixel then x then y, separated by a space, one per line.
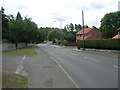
pixel 11 46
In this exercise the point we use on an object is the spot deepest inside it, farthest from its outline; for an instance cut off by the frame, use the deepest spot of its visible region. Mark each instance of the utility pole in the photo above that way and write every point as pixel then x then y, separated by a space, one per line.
pixel 83 28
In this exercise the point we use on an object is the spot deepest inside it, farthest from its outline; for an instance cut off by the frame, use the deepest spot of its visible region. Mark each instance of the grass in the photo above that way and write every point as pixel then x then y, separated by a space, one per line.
pixel 23 51
pixel 11 80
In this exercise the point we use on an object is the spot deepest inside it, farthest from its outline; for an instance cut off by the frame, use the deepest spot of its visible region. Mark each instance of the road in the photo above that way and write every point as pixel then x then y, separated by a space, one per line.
pixel 88 70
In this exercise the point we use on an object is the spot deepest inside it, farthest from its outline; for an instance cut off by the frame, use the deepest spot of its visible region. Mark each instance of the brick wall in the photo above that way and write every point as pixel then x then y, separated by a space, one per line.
pixel 73 43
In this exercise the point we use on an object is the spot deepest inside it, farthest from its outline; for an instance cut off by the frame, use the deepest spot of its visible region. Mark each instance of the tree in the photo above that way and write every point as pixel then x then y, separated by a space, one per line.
pixel 95 27
pixel 71 26
pixel 55 34
pixel 15 25
pixel 5 32
pixel 78 27
pixel 109 24
pixel 86 26
pixel 21 30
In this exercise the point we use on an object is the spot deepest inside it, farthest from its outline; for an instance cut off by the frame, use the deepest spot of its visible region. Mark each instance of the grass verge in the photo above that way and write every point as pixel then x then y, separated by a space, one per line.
pixel 11 80
pixel 23 51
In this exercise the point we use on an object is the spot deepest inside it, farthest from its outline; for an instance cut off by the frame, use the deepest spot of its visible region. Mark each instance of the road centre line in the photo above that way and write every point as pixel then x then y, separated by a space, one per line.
pixel 92 59
pixel 66 73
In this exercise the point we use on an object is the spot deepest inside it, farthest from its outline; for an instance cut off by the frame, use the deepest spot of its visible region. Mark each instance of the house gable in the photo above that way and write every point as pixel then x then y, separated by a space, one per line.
pixel 89 33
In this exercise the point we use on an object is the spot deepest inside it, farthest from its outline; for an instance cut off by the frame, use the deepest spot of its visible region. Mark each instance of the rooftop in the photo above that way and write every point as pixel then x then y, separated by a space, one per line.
pixel 86 30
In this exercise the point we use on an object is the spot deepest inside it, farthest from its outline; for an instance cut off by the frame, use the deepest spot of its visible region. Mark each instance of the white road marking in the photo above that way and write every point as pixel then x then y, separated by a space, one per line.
pixel 66 74
pixel 92 59
pixel 20 68
pixel 115 66
pixel 24 57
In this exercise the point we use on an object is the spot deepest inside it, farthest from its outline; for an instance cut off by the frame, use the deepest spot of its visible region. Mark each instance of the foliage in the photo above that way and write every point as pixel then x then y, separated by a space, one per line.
pixel 109 24
pixel 16 29
pixel 65 42
pixel 55 34
pixel 4 24
pixel 78 47
pixel 43 34
pixel 101 44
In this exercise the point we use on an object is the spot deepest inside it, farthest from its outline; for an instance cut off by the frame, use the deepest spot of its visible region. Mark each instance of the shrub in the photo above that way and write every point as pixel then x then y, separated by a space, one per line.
pixel 65 42
pixel 78 47
pixel 101 44
pixel 53 41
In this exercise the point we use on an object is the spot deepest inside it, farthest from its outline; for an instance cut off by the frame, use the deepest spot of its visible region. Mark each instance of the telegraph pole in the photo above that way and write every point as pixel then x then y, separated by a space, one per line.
pixel 83 28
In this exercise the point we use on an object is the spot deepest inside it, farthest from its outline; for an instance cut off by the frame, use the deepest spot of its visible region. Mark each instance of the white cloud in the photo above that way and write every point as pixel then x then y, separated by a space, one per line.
pixel 44 12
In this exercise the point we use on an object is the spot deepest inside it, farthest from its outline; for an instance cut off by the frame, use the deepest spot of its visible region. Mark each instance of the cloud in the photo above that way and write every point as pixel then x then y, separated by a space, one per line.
pixel 44 12
pixel 97 5
pixel 94 23
pixel 21 7
pixel 58 17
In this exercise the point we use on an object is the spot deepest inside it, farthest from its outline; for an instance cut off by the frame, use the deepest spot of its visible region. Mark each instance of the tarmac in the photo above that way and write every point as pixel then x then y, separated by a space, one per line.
pixel 44 72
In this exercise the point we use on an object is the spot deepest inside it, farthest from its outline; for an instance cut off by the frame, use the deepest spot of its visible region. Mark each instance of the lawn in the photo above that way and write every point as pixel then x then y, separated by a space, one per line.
pixel 11 80
pixel 23 51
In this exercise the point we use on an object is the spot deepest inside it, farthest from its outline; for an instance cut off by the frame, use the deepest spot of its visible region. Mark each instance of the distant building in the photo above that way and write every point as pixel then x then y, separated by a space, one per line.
pixel 118 35
pixel 89 33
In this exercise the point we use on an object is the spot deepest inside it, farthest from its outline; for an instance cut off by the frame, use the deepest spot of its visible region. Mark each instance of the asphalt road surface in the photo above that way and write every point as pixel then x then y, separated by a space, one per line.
pixel 88 70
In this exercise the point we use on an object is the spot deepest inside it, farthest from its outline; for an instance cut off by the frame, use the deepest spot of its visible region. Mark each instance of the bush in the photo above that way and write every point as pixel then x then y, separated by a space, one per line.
pixel 101 44
pixel 65 42
pixel 78 47
pixel 53 41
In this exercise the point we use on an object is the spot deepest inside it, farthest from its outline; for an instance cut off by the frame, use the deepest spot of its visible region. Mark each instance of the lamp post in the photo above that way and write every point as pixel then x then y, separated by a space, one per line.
pixel 83 28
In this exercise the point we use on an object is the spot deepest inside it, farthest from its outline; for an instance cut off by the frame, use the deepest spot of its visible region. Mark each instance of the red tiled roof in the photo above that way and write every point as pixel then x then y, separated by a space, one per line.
pixel 86 30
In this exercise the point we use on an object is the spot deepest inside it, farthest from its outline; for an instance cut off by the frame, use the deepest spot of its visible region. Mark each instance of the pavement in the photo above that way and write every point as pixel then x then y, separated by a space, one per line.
pixel 42 71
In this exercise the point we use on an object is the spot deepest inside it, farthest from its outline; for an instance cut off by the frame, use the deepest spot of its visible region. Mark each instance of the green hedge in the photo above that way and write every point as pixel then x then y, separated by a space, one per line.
pixel 113 44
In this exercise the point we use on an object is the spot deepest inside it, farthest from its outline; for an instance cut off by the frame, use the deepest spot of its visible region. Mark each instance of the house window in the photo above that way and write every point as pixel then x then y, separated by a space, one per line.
pixel 81 35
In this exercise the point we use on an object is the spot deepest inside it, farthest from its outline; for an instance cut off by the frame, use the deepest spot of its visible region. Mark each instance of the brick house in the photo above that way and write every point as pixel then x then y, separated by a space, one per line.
pixel 89 33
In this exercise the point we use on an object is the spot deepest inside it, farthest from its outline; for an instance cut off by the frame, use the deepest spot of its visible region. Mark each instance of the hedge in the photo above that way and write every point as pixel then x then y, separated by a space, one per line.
pixel 113 44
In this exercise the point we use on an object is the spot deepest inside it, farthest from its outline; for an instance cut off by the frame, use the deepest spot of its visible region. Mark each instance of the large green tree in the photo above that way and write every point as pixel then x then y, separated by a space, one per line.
pixel 5 33
pixel 21 30
pixel 109 24
pixel 55 34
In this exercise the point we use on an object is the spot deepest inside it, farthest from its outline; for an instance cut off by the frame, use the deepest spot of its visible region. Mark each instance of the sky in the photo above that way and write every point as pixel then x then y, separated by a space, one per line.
pixel 58 13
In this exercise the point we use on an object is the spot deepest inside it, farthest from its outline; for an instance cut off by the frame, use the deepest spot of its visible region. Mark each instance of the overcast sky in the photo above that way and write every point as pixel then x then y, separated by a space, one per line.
pixel 45 12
